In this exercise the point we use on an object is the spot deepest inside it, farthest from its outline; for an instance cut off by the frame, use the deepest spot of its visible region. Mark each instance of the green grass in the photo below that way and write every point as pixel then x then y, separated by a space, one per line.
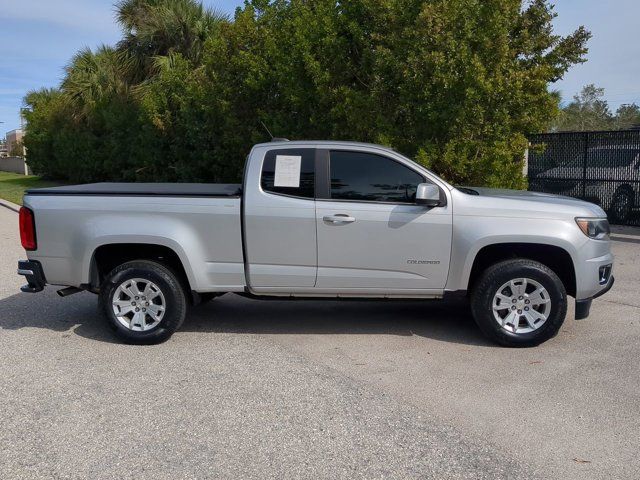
pixel 12 185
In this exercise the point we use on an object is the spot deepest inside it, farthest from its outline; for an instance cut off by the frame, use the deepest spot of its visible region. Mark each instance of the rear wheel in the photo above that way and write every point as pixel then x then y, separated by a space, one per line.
pixel 519 303
pixel 143 301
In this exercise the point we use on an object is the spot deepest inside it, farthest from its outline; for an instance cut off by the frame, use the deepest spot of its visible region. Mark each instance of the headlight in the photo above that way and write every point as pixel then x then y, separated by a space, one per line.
pixel 596 228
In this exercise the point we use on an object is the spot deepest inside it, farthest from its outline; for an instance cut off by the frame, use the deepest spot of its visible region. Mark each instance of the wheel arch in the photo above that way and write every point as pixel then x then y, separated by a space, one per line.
pixel 106 256
pixel 555 257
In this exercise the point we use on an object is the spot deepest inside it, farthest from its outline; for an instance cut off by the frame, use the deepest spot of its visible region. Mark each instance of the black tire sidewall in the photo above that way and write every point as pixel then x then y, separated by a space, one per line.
pixel 166 280
pixel 501 273
pixel 613 213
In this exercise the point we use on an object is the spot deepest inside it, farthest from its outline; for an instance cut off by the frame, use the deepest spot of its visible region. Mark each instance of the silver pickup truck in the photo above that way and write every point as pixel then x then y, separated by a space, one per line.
pixel 318 219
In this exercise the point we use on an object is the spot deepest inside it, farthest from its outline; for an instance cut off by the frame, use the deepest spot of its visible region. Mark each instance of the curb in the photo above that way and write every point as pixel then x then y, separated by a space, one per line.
pixel 625 231
pixel 10 205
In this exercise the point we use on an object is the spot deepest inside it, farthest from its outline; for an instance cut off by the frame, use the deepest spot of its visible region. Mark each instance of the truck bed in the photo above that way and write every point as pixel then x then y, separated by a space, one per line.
pixel 145 189
pixel 200 223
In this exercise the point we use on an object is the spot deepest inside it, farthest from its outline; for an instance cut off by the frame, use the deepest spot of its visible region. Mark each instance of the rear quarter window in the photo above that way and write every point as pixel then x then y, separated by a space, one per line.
pixel 306 184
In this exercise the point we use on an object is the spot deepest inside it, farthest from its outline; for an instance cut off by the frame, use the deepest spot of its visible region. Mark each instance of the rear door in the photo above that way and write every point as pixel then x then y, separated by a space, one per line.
pixel 371 234
pixel 280 220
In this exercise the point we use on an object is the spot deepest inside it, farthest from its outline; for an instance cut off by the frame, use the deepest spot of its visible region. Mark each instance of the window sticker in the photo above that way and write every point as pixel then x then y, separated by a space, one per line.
pixel 287 171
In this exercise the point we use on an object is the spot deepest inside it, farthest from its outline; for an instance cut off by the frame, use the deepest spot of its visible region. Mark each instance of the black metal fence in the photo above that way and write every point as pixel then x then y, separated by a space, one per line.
pixel 600 167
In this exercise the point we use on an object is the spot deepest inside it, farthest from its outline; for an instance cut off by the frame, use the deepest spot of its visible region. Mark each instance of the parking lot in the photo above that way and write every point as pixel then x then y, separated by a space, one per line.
pixel 312 389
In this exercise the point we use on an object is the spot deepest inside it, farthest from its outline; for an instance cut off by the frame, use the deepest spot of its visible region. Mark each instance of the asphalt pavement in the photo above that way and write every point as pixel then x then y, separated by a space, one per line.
pixel 315 389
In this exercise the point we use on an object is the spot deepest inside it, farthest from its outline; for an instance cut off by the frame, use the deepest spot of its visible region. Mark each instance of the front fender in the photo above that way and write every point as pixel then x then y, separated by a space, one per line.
pixel 471 234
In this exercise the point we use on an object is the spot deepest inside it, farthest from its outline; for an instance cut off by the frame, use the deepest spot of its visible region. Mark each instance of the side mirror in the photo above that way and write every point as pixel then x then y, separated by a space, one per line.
pixel 428 195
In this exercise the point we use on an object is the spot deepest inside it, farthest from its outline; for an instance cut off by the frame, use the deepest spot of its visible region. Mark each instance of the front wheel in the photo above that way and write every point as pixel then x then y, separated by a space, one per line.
pixel 143 302
pixel 519 303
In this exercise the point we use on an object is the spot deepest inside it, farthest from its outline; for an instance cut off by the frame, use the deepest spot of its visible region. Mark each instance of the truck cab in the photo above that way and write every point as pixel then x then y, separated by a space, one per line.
pixel 351 226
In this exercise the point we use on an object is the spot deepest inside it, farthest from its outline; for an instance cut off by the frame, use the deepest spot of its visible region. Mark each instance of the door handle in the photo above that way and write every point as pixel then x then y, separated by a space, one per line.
pixel 339 218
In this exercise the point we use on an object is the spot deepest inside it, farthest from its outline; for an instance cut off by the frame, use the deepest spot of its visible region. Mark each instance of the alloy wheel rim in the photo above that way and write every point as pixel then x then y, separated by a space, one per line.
pixel 138 304
pixel 521 305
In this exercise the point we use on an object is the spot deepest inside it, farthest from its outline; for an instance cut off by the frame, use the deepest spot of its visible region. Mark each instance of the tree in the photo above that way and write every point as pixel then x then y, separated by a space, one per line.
pixel 158 28
pixel 456 84
pixel 587 111
pixel 104 132
pixel 627 116
pixel 93 76
pixel 16 150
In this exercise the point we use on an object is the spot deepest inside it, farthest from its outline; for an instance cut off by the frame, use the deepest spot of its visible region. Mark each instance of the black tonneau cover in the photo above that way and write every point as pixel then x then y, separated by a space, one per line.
pixel 145 189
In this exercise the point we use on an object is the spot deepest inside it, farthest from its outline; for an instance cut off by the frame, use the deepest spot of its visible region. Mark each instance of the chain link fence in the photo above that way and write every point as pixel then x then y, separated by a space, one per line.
pixel 600 167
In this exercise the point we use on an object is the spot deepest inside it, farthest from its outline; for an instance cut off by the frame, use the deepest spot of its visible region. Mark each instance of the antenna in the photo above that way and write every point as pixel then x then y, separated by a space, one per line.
pixel 268 131
pixel 273 139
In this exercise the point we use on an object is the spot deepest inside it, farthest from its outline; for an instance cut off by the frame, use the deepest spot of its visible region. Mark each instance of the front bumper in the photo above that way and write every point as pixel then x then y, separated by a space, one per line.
pixel 32 271
pixel 583 306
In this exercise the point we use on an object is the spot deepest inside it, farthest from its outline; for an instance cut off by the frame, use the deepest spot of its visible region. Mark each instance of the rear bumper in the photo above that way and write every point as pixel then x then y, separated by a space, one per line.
pixel 32 271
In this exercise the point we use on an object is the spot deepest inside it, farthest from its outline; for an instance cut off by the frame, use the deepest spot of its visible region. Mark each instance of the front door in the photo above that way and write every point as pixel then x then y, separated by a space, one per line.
pixel 371 234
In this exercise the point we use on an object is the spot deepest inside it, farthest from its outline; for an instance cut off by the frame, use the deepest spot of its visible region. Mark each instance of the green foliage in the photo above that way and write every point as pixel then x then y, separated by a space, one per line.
pixel 13 185
pixel 16 150
pixel 455 84
pixel 157 28
pixel 627 116
pixel 589 111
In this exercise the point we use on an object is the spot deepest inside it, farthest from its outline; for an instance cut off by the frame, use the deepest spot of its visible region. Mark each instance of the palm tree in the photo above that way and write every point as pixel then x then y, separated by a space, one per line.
pixel 155 28
pixel 95 76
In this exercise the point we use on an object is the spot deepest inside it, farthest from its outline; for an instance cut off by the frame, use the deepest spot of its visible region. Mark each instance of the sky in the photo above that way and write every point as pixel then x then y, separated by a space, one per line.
pixel 39 37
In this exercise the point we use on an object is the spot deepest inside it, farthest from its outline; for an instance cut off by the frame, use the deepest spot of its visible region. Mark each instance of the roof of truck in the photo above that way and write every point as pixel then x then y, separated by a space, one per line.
pixel 282 142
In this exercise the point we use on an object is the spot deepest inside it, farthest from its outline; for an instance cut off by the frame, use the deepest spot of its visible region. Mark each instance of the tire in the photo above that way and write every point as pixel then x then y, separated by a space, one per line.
pixel 621 206
pixel 524 325
pixel 160 312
